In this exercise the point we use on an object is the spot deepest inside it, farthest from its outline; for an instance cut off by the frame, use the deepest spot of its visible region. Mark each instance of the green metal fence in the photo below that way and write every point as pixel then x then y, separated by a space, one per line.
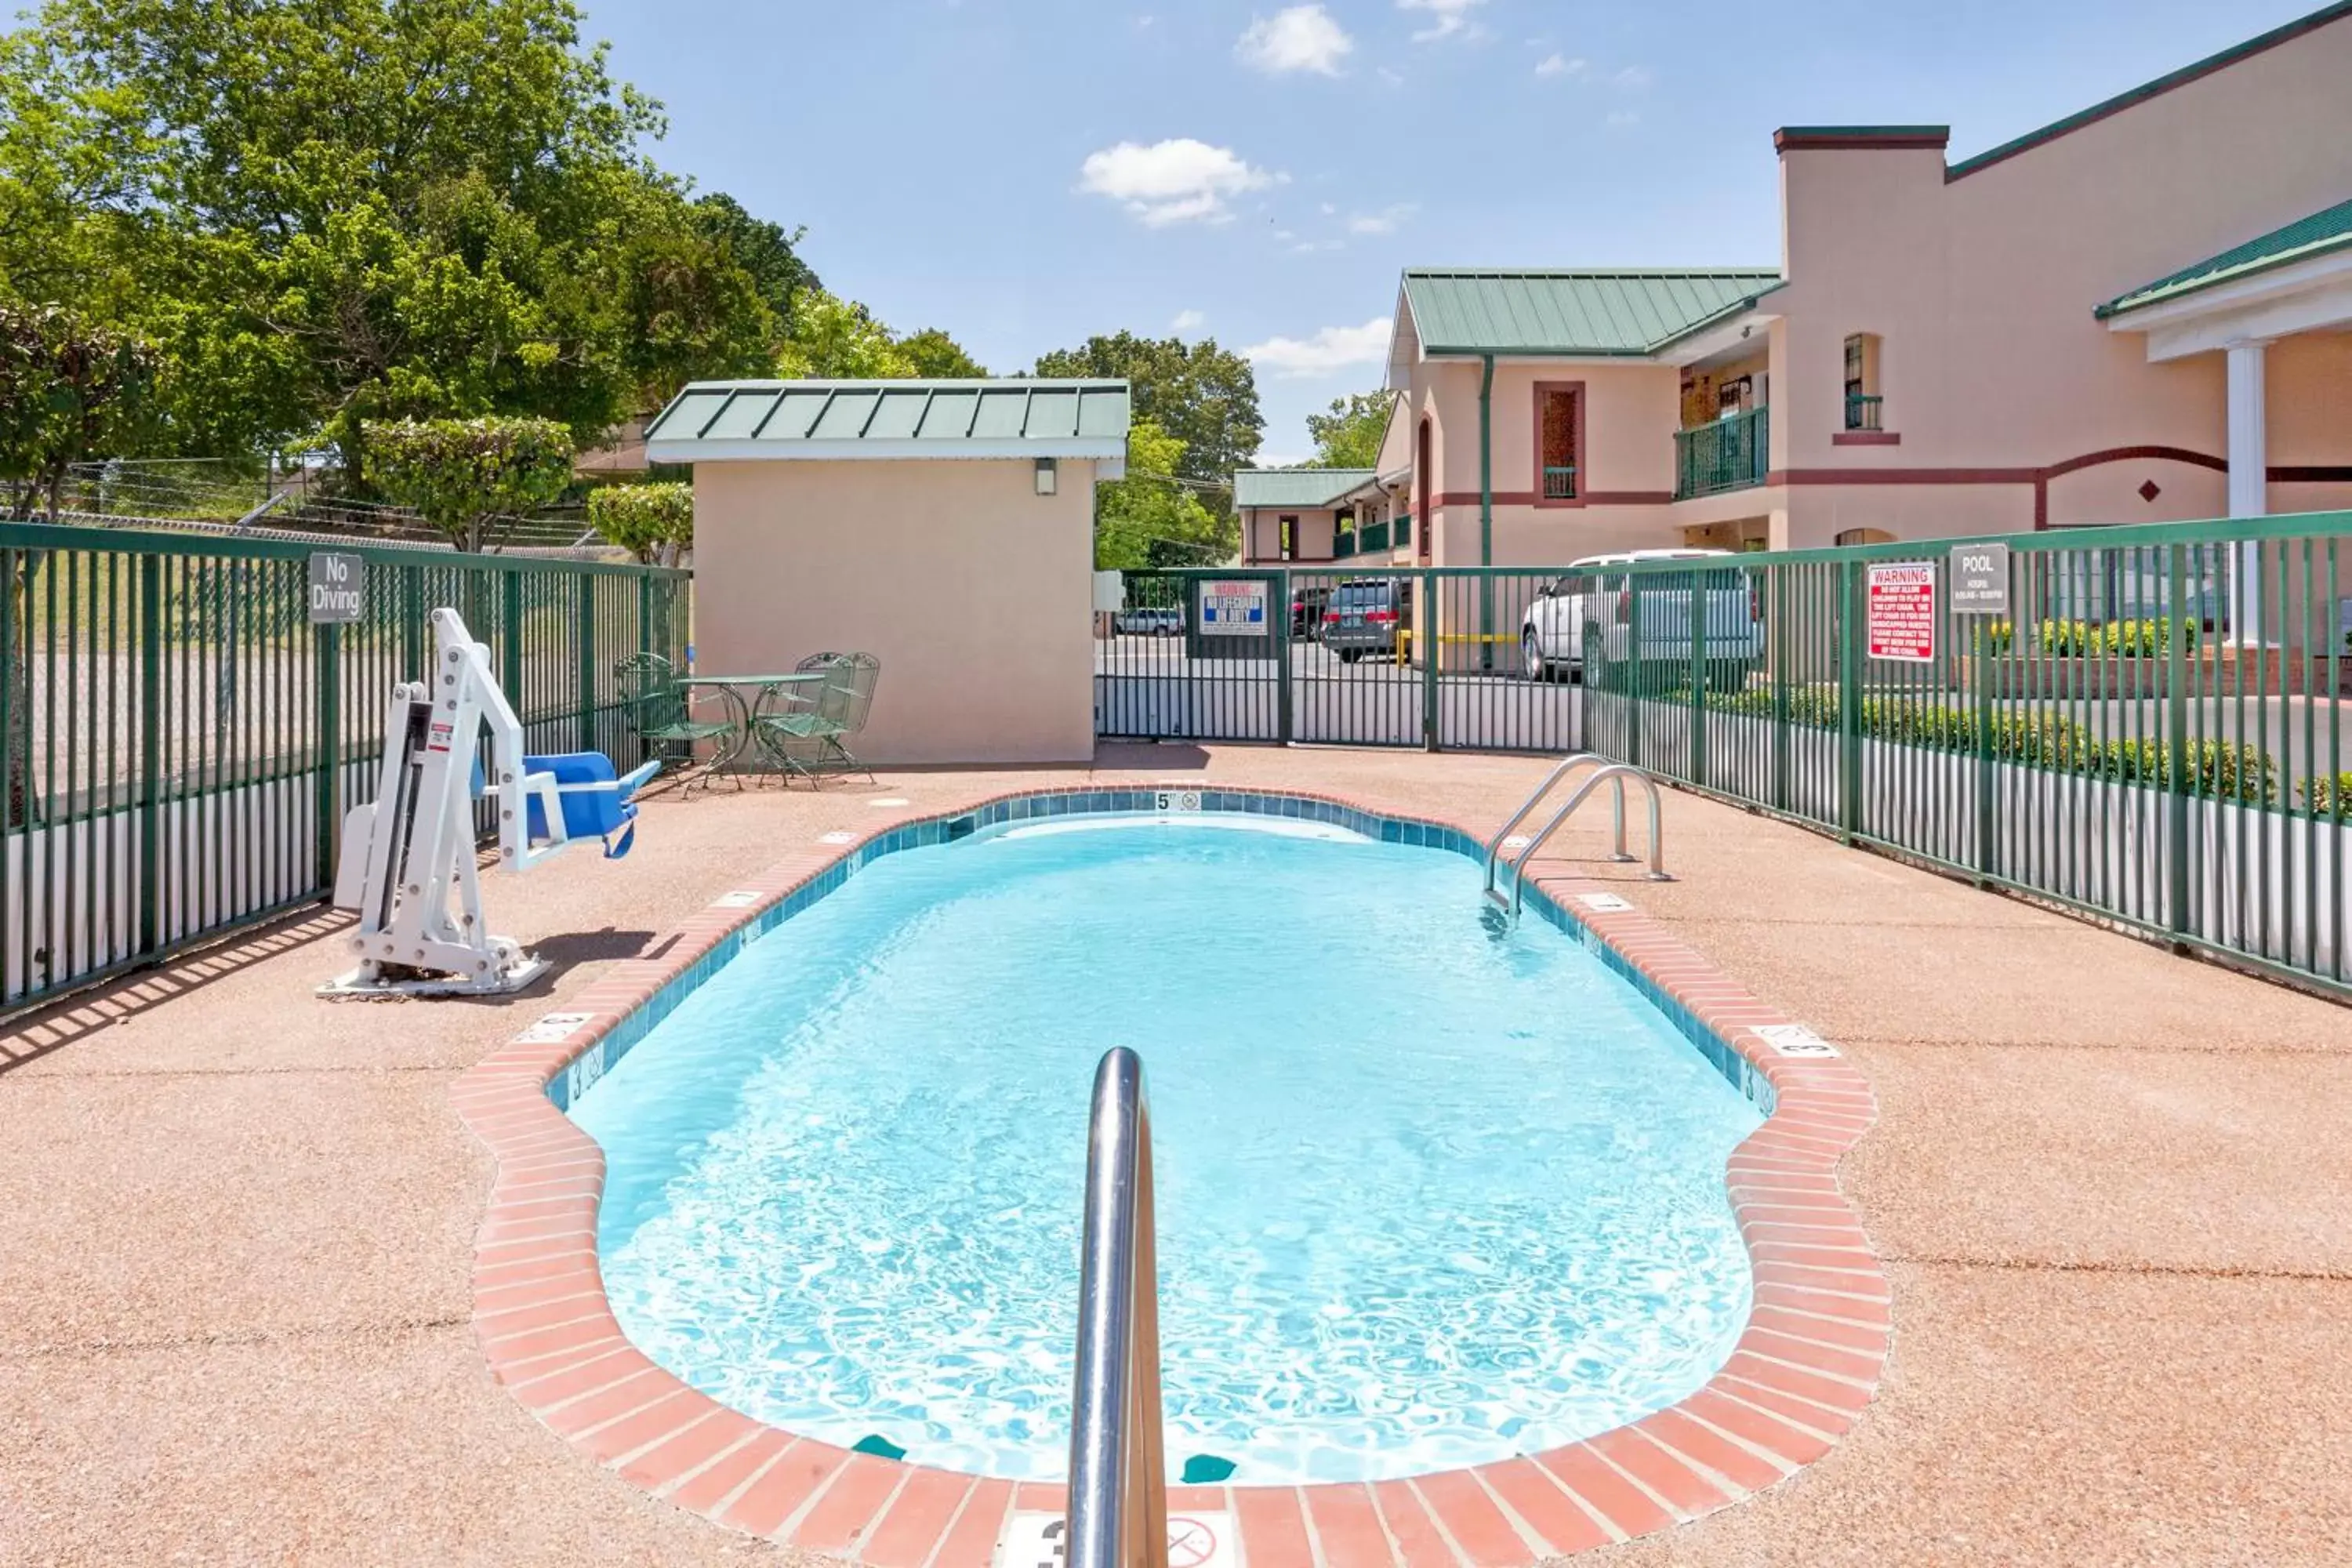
pixel 2147 725
pixel 178 742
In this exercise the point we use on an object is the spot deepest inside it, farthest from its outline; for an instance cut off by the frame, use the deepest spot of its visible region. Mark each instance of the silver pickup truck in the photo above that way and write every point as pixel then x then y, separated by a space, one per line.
pixel 1552 635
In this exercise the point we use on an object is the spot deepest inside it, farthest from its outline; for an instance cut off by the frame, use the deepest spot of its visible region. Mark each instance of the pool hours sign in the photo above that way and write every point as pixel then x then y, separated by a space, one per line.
pixel 338 585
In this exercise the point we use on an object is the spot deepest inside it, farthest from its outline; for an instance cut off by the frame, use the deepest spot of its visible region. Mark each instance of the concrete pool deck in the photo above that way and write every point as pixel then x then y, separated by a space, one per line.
pixel 237 1225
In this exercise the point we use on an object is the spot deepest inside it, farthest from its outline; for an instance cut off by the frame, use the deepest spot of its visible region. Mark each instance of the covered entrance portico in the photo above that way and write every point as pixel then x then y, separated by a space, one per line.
pixel 2291 283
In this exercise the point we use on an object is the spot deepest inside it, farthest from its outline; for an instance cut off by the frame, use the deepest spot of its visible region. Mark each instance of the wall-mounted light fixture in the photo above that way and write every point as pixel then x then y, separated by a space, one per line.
pixel 1048 476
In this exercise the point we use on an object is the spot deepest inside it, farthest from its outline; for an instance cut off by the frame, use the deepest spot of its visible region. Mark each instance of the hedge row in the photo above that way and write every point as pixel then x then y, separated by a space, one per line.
pixel 2040 740
pixel 2145 638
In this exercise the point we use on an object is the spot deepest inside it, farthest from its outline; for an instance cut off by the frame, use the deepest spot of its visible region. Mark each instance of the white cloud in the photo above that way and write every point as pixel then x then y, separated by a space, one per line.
pixel 1634 78
pixel 1302 39
pixel 1176 180
pixel 1394 78
pixel 1559 65
pixel 1622 118
pixel 1384 221
pixel 1447 17
pixel 1188 322
pixel 1329 350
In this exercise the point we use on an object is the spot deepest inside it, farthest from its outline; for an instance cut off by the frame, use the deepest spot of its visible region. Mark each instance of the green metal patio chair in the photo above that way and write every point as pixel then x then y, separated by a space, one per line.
pixel 662 714
pixel 815 738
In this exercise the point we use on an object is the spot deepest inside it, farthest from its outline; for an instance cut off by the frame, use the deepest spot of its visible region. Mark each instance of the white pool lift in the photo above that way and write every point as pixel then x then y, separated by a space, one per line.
pixel 407 861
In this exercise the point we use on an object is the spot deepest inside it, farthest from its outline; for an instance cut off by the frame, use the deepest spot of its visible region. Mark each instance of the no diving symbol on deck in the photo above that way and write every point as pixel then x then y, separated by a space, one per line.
pixel 1191 1542
pixel 1195 1541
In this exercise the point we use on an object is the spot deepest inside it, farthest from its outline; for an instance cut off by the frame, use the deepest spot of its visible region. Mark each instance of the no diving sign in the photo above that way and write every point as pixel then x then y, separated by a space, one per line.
pixel 1195 1541
pixel 337 584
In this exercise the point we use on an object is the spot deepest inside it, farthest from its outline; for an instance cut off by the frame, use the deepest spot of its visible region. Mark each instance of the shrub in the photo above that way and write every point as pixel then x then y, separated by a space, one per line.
pixel 2327 798
pixel 649 522
pixel 459 473
pixel 2150 637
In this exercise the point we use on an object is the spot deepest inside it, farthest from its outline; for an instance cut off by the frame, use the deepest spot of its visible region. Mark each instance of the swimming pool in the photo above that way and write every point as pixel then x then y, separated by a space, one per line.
pixel 1429 1195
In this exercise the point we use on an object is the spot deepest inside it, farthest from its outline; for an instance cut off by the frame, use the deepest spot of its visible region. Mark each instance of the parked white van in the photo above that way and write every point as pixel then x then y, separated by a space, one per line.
pixel 1551 637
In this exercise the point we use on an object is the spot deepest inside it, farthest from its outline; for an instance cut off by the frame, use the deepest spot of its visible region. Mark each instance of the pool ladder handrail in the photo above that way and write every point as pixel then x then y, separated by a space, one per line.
pixel 1614 774
pixel 1119 1484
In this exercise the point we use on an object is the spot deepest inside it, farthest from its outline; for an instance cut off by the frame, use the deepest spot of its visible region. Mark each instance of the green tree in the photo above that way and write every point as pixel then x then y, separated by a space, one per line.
pixel 653 523
pixel 1151 518
pixel 458 474
pixel 839 340
pixel 1204 397
pixel 1349 436
pixel 935 355
pixel 835 339
pixel 764 249
pixel 68 390
pixel 691 313
pixel 342 211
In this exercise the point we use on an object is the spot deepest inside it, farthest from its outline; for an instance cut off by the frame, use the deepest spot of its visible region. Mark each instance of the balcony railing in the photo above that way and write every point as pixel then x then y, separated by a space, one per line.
pixel 1559 483
pixel 1373 539
pixel 1727 455
pixel 1861 410
pixel 1343 544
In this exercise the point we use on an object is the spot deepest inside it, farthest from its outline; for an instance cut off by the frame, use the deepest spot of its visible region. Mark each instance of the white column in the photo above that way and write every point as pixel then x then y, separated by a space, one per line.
pixel 2249 481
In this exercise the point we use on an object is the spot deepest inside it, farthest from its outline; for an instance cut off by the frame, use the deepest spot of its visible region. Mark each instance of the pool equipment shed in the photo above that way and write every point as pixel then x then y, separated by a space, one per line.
pixel 945 526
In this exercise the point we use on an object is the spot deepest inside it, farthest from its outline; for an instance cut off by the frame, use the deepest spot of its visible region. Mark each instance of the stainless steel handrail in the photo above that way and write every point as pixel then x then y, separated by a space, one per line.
pixel 1119 1484
pixel 1618 771
pixel 1568 764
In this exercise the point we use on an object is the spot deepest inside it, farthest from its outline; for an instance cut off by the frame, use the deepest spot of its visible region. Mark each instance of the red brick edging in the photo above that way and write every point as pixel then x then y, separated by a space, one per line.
pixel 1799 1378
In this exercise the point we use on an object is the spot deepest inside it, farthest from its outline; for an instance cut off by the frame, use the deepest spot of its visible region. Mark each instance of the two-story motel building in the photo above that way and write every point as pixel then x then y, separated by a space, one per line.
pixel 2140 313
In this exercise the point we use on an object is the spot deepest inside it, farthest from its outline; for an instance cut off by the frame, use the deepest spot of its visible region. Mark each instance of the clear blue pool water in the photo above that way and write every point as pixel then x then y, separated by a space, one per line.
pixel 1428 1194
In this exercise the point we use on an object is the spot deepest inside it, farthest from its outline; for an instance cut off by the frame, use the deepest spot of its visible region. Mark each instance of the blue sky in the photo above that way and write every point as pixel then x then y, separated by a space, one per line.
pixel 1024 173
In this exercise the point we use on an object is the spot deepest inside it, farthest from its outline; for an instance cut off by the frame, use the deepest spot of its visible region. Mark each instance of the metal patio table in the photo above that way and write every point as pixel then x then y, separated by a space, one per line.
pixel 750 697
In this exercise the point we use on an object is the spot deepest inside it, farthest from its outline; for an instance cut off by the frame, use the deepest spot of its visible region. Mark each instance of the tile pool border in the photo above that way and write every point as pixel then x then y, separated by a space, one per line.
pixel 1803 1371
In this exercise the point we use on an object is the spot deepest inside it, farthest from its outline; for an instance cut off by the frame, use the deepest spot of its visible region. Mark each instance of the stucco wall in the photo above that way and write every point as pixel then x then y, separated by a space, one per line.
pixel 972 590
pixel 1981 288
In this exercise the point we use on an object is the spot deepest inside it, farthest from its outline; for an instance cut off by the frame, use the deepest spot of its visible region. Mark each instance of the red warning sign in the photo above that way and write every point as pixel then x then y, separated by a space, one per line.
pixel 1903 612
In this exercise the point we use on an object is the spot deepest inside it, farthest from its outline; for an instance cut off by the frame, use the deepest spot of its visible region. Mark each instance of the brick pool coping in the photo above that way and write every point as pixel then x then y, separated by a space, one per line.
pixel 1799 1378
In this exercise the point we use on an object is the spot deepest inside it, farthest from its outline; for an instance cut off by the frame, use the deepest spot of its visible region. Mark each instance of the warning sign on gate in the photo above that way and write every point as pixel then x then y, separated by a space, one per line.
pixel 1902 612
pixel 1234 609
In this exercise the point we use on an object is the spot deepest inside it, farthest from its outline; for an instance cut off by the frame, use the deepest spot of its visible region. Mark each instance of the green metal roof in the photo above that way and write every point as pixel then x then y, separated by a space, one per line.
pixel 714 420
pixel 1295 487
pixel 1618 311
pixel 2299 241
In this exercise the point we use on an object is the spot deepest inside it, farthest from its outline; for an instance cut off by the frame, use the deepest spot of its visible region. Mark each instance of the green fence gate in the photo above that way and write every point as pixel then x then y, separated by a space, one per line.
pixel 1370 655
pixel 178 742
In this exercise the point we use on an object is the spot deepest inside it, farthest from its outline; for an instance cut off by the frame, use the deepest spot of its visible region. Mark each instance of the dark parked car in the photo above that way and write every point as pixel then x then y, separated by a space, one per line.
pixel 1365 616
pixel 1307 606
